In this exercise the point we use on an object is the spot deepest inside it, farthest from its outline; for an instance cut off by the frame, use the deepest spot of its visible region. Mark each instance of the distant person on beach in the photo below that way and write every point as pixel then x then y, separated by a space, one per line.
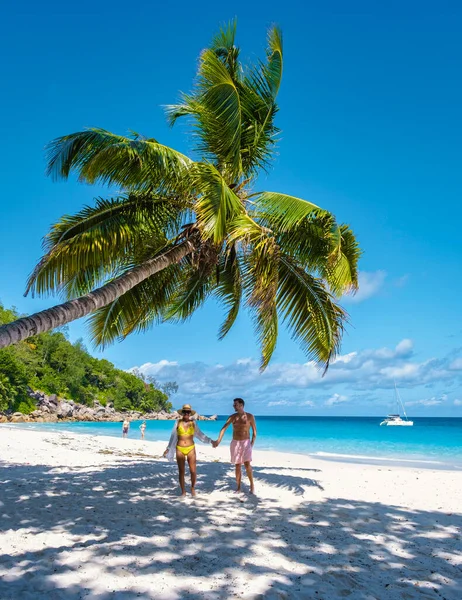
pixel 181 446
pixel 241 445
pixel 143 429
pixel 125 428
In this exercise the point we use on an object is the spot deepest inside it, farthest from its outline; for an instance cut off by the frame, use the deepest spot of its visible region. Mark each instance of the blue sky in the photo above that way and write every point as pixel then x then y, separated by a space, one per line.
pixel 371 129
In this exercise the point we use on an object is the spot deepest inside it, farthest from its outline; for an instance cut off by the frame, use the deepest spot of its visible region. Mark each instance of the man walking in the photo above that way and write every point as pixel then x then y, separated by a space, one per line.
pixel 241 444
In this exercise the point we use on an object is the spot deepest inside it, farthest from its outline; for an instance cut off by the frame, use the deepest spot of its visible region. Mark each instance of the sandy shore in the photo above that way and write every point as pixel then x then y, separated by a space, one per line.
pixel 86 517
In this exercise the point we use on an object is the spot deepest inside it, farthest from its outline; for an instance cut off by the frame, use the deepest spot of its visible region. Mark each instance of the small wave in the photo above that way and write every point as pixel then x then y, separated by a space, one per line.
pixel 388 458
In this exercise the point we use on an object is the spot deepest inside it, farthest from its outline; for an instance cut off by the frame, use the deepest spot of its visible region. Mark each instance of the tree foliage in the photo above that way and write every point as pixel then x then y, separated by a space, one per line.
pixel 50 363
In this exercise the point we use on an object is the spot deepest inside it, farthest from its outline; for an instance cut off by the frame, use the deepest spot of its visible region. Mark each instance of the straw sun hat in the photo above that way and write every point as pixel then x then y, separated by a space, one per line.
pixel 186 407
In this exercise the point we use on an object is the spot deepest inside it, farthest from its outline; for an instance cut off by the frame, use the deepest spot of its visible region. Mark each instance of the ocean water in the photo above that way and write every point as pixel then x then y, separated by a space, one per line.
pixel 431 442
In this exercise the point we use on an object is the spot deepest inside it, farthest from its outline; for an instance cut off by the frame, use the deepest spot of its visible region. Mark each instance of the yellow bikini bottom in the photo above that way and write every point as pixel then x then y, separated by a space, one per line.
pixel 185 449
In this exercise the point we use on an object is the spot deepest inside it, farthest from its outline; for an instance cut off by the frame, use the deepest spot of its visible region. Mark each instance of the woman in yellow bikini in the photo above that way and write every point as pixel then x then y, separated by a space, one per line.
pixel 181 446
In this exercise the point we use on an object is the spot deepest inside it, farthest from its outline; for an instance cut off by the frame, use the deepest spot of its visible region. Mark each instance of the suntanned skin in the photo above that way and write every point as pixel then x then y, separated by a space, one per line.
pixel 184 441
pixel 242 423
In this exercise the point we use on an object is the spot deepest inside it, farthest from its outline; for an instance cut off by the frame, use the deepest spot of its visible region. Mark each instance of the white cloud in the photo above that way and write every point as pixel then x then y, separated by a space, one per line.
pixel 434 401
pixel 336 399
pixel 456 365
pixel 306 403
pixel 458 402
pixel 155 368
pixel 404 348
pixel 281 403
pixel 402 372
pixel 369 283
pixel 363 371
pixel 429 402
pixel 346 358
pixel 243 361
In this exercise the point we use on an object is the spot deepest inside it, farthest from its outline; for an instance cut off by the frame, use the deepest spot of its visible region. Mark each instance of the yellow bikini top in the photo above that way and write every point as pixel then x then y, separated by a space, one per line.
pixel 189 431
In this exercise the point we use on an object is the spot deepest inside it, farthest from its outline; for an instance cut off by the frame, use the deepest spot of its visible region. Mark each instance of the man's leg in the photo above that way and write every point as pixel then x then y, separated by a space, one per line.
pixel 248 468
pixel 238 478
pixel 192 470
pixel 181 462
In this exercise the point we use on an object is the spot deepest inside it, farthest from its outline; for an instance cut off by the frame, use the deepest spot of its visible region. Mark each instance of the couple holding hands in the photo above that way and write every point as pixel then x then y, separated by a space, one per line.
pixel 181 445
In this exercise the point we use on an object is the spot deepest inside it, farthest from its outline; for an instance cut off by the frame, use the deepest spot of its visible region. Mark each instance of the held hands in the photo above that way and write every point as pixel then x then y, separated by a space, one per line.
pixel 215 443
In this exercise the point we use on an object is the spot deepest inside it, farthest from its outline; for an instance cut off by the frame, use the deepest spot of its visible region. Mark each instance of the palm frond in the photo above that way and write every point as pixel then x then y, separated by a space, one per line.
pixel 223 44
pixel 97 155
pixel 311 235
pixel 342 267
pixel 229 288
pixel 272 71
pixel 175 111
pixel 309 310
pixel 217 205
pixel 136 310
pixel 219 113
pixel 85 249
pixel 260 283
pixel 259 92
pixel 131 210
pixel 283 210
pixel 192 291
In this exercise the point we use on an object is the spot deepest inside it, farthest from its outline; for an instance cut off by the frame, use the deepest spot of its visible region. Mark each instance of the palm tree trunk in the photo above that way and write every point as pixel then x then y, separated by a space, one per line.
pixel 80 307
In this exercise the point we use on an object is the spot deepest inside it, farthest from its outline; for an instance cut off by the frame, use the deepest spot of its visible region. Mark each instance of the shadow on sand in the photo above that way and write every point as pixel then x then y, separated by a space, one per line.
pixel 324 549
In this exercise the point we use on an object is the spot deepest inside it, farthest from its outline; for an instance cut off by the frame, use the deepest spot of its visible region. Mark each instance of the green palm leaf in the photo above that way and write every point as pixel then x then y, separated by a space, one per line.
pixel 100 156
pixel 194 288
pixel 309 311
pixel 283 210
pixel 223 44
pixel 229 288
pixel 261 277
pixel 130 211
pixel 217 205
pixel 86 249
pixel 342 269
pixel 136 310
pixel 272 72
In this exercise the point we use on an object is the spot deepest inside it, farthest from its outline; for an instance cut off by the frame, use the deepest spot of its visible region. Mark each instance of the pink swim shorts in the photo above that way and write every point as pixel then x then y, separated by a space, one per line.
pixel 241 451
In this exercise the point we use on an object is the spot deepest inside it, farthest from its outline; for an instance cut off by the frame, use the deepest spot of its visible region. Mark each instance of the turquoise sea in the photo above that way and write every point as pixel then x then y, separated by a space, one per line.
pixel 431 442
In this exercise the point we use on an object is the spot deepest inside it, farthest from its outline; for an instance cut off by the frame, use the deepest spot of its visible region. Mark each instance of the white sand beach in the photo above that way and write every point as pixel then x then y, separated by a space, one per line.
pixel 99 517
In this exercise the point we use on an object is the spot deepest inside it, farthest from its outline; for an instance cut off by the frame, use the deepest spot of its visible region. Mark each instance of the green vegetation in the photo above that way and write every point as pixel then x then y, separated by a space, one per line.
pixel 50 363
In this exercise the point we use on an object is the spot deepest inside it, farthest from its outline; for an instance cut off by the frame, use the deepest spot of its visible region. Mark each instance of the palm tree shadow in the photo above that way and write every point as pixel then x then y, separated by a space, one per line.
pixel 284 479
pixel 124 522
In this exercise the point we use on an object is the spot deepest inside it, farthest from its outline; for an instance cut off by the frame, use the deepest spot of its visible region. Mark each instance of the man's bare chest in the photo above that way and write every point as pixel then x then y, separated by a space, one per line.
pixel 241 422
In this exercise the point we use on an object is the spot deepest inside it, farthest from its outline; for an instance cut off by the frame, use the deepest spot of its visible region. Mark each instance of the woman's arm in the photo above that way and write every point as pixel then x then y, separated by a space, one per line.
pixel 173 439
pixel 203 438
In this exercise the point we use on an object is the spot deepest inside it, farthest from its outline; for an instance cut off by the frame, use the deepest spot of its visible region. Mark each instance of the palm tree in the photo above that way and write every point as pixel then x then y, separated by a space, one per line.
pixel 184 230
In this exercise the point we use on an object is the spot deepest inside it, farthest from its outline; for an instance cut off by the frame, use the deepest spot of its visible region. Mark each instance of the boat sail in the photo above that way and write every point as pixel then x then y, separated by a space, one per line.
pixel 396 420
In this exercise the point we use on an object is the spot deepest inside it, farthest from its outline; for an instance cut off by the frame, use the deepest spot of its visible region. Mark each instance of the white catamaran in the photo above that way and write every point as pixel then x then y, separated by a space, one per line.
pixel 396 420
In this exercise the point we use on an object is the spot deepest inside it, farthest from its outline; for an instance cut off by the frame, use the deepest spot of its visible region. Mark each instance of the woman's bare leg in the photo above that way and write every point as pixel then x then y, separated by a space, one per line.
pixel 181 462
pixel 192 469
